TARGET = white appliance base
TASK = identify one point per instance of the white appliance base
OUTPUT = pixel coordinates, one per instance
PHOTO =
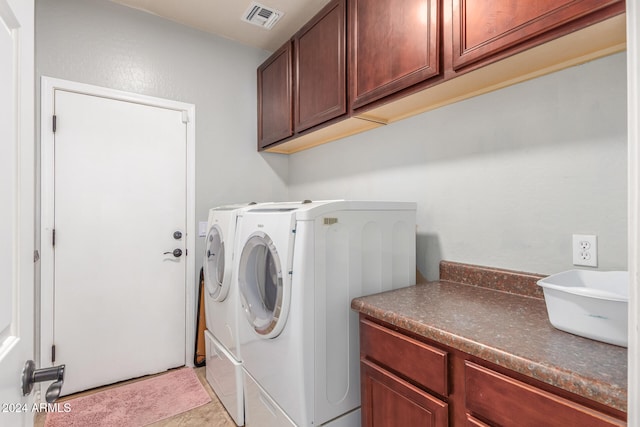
(260, 409)
(352, 419)
(224, 374)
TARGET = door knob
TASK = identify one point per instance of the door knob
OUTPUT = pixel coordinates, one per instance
(176, 253)
(177, 235)
(31, 375)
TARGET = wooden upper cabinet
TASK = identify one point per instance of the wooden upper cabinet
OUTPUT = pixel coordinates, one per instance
(394, 44)
(359, 64)
(486, 28)
(275, 97)
(321, 74)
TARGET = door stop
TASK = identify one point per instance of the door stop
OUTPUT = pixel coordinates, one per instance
(31, 375)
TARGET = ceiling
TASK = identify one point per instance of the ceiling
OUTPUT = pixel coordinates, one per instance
(224, 17)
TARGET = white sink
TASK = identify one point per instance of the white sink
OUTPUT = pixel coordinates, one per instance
(592, 304)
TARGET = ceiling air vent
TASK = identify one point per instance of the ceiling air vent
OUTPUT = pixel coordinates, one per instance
(262, 16)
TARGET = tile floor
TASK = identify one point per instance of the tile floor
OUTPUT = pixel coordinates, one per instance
(212, 414)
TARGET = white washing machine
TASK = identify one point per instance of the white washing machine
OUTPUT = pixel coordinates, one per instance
(223, 370)
(299, 265)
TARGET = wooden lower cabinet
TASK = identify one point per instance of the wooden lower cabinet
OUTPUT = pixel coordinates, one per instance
(408, 380)
(393, 402)
(504, 401)
(403, 354)
(474, 422)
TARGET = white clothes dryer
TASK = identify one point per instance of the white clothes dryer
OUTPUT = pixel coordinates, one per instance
(299, 265)
(223, 362)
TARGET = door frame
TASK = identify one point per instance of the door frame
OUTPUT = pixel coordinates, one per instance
(19, 342)
(44, 328)
(633, 135)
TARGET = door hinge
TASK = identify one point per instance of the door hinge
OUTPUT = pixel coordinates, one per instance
(53, 238)
(185, 117)
(53, 353)
(36, 256)
(55, 120)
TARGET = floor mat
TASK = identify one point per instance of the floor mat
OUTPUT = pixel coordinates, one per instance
(133, 405)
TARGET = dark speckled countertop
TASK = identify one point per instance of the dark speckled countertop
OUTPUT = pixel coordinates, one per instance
(508, 329)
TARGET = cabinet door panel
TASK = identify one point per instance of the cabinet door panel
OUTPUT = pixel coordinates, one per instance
(388, 401)
(509, 402)
(320, 51)
(394, 44)
(482, 28)
(275, 97)
(473, 422)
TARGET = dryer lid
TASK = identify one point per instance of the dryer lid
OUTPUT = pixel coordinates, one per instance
(214, 265)
(260, 281)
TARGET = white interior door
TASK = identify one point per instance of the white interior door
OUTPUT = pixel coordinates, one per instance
(16, 207)
(120, 195)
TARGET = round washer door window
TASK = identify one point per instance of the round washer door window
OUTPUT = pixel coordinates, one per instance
(214, 265)
(261, 287)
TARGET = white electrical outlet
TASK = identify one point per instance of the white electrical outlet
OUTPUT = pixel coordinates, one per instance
(585, 250)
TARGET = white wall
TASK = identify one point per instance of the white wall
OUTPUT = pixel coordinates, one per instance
(102, 43)
(501, 180)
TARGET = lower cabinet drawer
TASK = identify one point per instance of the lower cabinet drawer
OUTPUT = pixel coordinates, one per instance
(504, 401)
(474, 422)
(389, 401)
(405, 356)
